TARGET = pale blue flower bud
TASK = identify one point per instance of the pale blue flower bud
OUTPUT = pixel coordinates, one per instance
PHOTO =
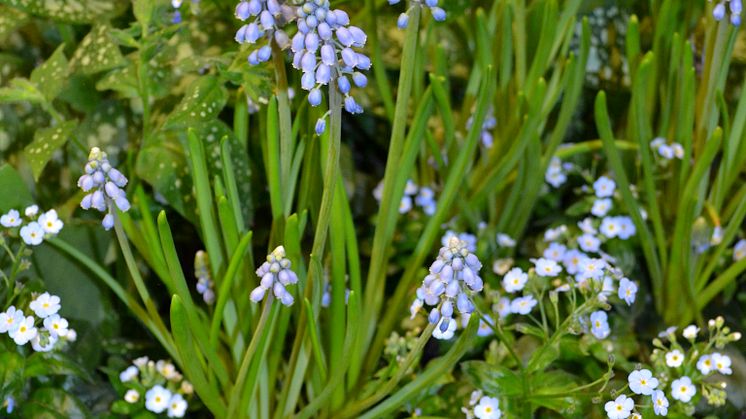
(453, 288)
(344, 84)
(719, 12)
(258, 294)
(264, 53)
(447, 308)
(434, 316)
(308, 81)
(359, 79)
(255, 7)
(438, 14)
(314, 98)
(393, 2)
(312, 22)
(282, 39)
(273, 6)
(463, 303)
(351, 106)
(243, 10)
(349, 57)
(122, 203)
(266, 20)
(345, 37)
(320, 126)
(342, 18)
(97, 201)
(328, 56)
(325, 32)
(358, 35)
(298, 42)
(85, 203)
(308, 62)
(323, 74)
(403, 21)
(363, 62)
(108, 222)
(431, 3)
(312, 41)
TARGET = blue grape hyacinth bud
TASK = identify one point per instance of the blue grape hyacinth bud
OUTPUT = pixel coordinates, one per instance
(453, 279)
(275, 275)
(439, 14)
(103, 185)
(734, 7)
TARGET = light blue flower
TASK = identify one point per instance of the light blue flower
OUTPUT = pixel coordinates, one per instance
(523, 305)
(438, 13)
(627, 290)
(604, 187)
(275, 275)
(600, 324)
(103, 185)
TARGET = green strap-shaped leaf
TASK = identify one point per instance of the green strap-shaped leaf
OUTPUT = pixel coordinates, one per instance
(46, 142)
(73, 11)
(50, 77)
(96, 52)
(13, 191)
(10, 20)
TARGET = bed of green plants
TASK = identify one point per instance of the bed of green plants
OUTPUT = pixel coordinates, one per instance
(372, 209)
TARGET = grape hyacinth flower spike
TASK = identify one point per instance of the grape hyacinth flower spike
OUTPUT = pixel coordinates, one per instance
(453, 278)
(438, 13)
(266, 19)
(735, 7)
(104, 184)
(275, 274)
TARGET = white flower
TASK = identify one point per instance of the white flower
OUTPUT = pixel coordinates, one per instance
(586, 226)
(626, 227)
(690, 332)
(128, 374)
(555, 177)
(485, 327)
(642, 382)
(739, 250)
(628, 291)
(448, 334)
(572, 259)
(665, 151)
(601, 207)
(554, 233)
(131, 396)
(682, 389)
(50, 223)
(10, 319)
(660, 403)
(523, 305)
(604, 187)
(405, 205)
(674, 358)
(36, 343)
(488, 408)
(591, 268)
(71, 335)
(589, 243)
(11, 219)
(45, 305)
(547, 267)
(600, 325)
(24, 331)
(678, 150)
(31, 211)
(555, 251)
(32, 234)
(503, 240)
(167, 370)
(636, 415)
(610, 227)
(515, 280)
(157, 399)
(717, 236)
(141, 361)
(502, 307)
(722, 363)
(177, 406)
(501, 266)
(667, 333)
(56, 325)
(620, 408)
(704, 364)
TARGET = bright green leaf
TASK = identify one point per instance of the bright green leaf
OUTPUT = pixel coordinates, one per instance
(50, 77)
(46, 142)
(96, 52)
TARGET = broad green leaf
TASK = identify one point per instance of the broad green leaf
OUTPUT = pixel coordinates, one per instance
(53, 403)
(143, 10)
(10, 20)
(50, 77)
(11, 372)
(202, 103)
(13, 191)
(46, 142)
(96, 52)
(493, 379)
(74, 11)
(20, 90)
(543, 356)
(52, 363)
(122, 80)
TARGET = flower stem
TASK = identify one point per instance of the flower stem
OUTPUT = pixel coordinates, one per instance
(286, 124)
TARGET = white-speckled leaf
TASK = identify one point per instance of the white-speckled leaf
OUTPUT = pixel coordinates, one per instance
(73, 11)
(96, 52)
(20, 90)
(122, 80)
(46, 142)
(202, 102)
(10, 20)
(50, 77)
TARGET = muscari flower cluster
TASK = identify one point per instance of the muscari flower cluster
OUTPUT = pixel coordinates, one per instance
(667, 151)
(482, 407)
(275, 274)
(453, 278)
(422, 196)
(268, 17)
(104, 184)
(205, 285)
(43, 330)
(734, 8)
(673, 370)
(326, 296)
(490, 122)
(167, 390)
(438, 13)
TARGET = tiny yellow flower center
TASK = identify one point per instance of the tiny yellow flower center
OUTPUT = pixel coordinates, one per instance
(22, 329)
(488, 409)
(683, 389)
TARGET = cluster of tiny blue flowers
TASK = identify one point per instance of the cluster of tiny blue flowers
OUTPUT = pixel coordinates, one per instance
(735, 7)
(556, 174)
(323, 49)
(453, 277)
(269, 16)
(165, 389)
(275, 274)
(422, 196)
(33, 227)
(490, 122)
(438, 13)
(104, 184)
(176, 4)
(667, 151)
(42, 331)
(205, 285)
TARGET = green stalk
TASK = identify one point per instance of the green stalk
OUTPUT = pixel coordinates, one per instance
(286, 123)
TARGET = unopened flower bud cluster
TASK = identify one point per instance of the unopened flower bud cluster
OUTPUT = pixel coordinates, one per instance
(103, 184)
(275, 275)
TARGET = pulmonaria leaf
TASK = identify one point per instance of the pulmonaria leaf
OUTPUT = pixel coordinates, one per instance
(122, 80)
(46, 142)
(53, 403)
(10, 20)
(21, 90)
(202, 102)
(72, 11)
(97, 52)
(50, 77)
